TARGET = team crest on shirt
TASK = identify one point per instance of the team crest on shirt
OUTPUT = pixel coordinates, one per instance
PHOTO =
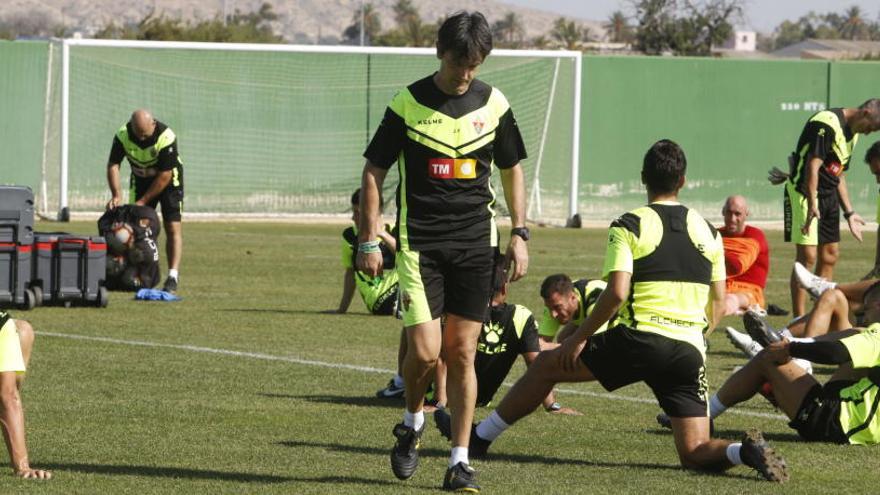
(478, 125)
(834, 168)
(492, 332)
(405, 300)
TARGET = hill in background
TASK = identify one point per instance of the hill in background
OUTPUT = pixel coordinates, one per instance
(299, 21)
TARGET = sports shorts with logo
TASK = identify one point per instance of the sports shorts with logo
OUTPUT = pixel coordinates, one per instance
(438, 281)
(825, 230)
(673, 369)
(171, 198)
(818, 418)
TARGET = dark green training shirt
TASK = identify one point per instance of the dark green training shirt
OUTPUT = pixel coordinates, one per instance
(444, 147)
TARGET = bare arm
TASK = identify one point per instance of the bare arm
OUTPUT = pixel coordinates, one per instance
(606, 307)
(854, 221)
(529, 358)
(12, 418)
(812, 192)
(515, 194)
(113, 183)
(348, 288)
(156, 187)
(371, 191)
(717, 291)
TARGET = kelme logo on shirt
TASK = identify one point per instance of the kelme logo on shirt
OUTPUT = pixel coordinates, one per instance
(452, 168)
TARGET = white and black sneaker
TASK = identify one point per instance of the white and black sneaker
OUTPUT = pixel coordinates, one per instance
(391, 391)
(811, 282)
(743, 342)
(760, 330)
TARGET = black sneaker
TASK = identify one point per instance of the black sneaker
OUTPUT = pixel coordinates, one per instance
(405, 454)
(391, 391)
(444, 423)
(477, 447)
(461, 478)
(759, 329)
(759, 455)
(170, 285)
(774, 310)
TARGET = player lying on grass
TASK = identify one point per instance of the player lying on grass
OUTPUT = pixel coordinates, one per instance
(509, 331)
(838, 307)
(662, 263)
(16, 344)
(843, 410)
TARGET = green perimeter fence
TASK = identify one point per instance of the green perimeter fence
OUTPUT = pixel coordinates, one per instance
(734, 118)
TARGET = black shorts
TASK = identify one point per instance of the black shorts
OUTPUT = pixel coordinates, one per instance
(171, 197)
(435, 282)
(674, 370)
(387, 303)
(818, 418)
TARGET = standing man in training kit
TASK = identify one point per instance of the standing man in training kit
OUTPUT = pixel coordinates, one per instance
(816, 189)
(445, 131)
(156, 177)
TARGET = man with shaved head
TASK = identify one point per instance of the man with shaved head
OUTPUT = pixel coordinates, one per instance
(156, 177)
(746, 257)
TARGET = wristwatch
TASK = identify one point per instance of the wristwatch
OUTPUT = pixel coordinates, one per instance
(523, 232)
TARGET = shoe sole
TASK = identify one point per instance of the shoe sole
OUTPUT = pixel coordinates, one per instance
(757, 329)
(774, 465)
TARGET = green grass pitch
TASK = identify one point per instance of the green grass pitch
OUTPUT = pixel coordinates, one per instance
(245, 388)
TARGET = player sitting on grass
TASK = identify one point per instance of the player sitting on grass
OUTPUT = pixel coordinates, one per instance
(510, 331)
(662, 263)
(843, 410)
(380, 292)
(16, 344)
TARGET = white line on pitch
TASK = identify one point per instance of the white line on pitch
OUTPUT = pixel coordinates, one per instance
(366, 369)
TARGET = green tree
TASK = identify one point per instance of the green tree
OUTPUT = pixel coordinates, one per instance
(569, 35)
(410, 30)
(508, 31)
(618, 28)
(252, 27)
(372, 25)
(684, 27)
(853, 25)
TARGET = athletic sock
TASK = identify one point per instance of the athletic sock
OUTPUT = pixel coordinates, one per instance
(491, 427)
(716, 408)
(398, 381)
(459, 454)
(414, 420)
(785, 332)
(172, 273)
(802, 340)
(733, 453)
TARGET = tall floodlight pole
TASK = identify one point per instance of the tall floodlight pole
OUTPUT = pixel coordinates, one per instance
(362, 22)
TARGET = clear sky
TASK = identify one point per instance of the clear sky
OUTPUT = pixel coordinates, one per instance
(760, 15)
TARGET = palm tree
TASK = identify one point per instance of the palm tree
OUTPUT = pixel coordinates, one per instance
(409, 23)
(853, 25)
(509, 30)
(618, 29)
(372, 25)
(568, 34)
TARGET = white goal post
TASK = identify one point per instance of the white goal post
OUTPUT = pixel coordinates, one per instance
(191, 78)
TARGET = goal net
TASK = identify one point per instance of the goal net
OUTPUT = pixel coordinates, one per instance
(279, 129)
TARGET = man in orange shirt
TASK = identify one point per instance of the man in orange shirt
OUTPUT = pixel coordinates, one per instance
(746, 258)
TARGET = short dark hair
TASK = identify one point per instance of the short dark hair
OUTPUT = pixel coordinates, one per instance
(356, 199)
(663, 167)
(499, 277)
(872, 106)
(873, 152)
(559, 283)
(467, 35)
